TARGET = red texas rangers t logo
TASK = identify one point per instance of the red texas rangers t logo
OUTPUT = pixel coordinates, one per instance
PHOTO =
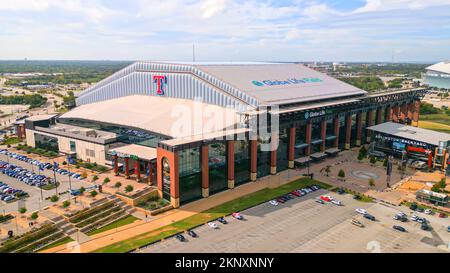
(160, 81)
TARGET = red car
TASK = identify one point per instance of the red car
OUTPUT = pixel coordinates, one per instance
(325, 198)
(442, 215)
(280, 200)
(295, 193)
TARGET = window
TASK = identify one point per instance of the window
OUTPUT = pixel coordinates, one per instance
(73, 147)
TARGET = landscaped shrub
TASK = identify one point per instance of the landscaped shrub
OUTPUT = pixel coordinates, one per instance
(106, 180)
(118, 185)
(94, 178)
(66, 204)
(373, 160)
(129, 188)
(22, 210)
(94, 193)
(341, 173)
(82, 190)
(54, 198)
(34, 216)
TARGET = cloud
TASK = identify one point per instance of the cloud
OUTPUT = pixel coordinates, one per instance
(212, 7)
(384, 5)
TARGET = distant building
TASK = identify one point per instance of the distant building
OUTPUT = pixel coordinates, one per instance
(438, 199)
(438, 75)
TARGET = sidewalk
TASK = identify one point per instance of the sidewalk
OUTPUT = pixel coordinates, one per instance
(126, 232)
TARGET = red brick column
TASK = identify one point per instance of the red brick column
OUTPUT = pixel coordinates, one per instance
(388, 114)
(403, 112)
(336, 131)
(116, 164)
(379, 116)
(358, 129)
(323, 134)
(230, 163)
(273, 153)
(137, 169)
(416, 113)
(308, 137)
(127, 167)
(172, 157)
(205, 170)
(253, 159)
(410, 112)
(291, 148)
(348, 131)
(395, 114)
(369, 120)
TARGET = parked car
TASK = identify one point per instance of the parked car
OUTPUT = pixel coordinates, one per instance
(413, 206)
(357, 223)
(213, 225)
(337, 203)
(424, 226)
(361, 211)
(222, 220)
(238, 216)
(192, 234)
(326, 198)
(273, 202)
(399, 228)
(428, 211)
(369, 216)
(340, 191)
(180, 238)
(442, 215)
(280, 200)
(357, 197)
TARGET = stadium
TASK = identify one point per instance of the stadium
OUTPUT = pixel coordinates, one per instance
(196, 129)
(438, 75)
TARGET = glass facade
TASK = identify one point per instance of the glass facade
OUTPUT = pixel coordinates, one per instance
(218, 169)
(282, 152)
(241, 162)
(263, 158)
(46, 142)
(300, 141)
(166, 178)
(330, 136)
(190, 176)
(342, 132)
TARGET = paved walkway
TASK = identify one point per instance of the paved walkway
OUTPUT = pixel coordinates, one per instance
(139, 227)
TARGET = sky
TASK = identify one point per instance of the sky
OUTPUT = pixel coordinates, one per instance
(226, 30)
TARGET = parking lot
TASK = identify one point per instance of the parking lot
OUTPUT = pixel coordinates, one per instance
(34, 202)
(303, 225)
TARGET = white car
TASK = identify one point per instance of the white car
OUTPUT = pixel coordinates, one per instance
(213, 225)
(428, 211)
(361, 211)
(337, 203)
(414, 217)
(273, 203)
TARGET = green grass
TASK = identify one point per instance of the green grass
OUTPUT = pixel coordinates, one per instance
(435, 126)
(408, 204)
(227, 208)
(63, 241)
(438, 118)
(49, 186)
(11, 141)
(122, 222)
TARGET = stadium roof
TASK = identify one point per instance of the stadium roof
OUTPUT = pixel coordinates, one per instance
(443, 67)
(165, 116)
(243, 85)
(410, 132)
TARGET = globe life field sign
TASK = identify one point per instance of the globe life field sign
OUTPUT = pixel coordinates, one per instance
(286, 82)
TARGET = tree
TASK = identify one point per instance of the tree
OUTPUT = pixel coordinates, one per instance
(341, 173)
(106, 180)
(371, 182)
(54, 198)
(94, 193)
(84, 175)
(436, 188)
(94, 178)
(22, 210)
(82, 190)
(118, 185)
(373, 160)
(34, 216)
(442, 184)
(363, 151)
(66, 204)
(360, 157)
(129, 188)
